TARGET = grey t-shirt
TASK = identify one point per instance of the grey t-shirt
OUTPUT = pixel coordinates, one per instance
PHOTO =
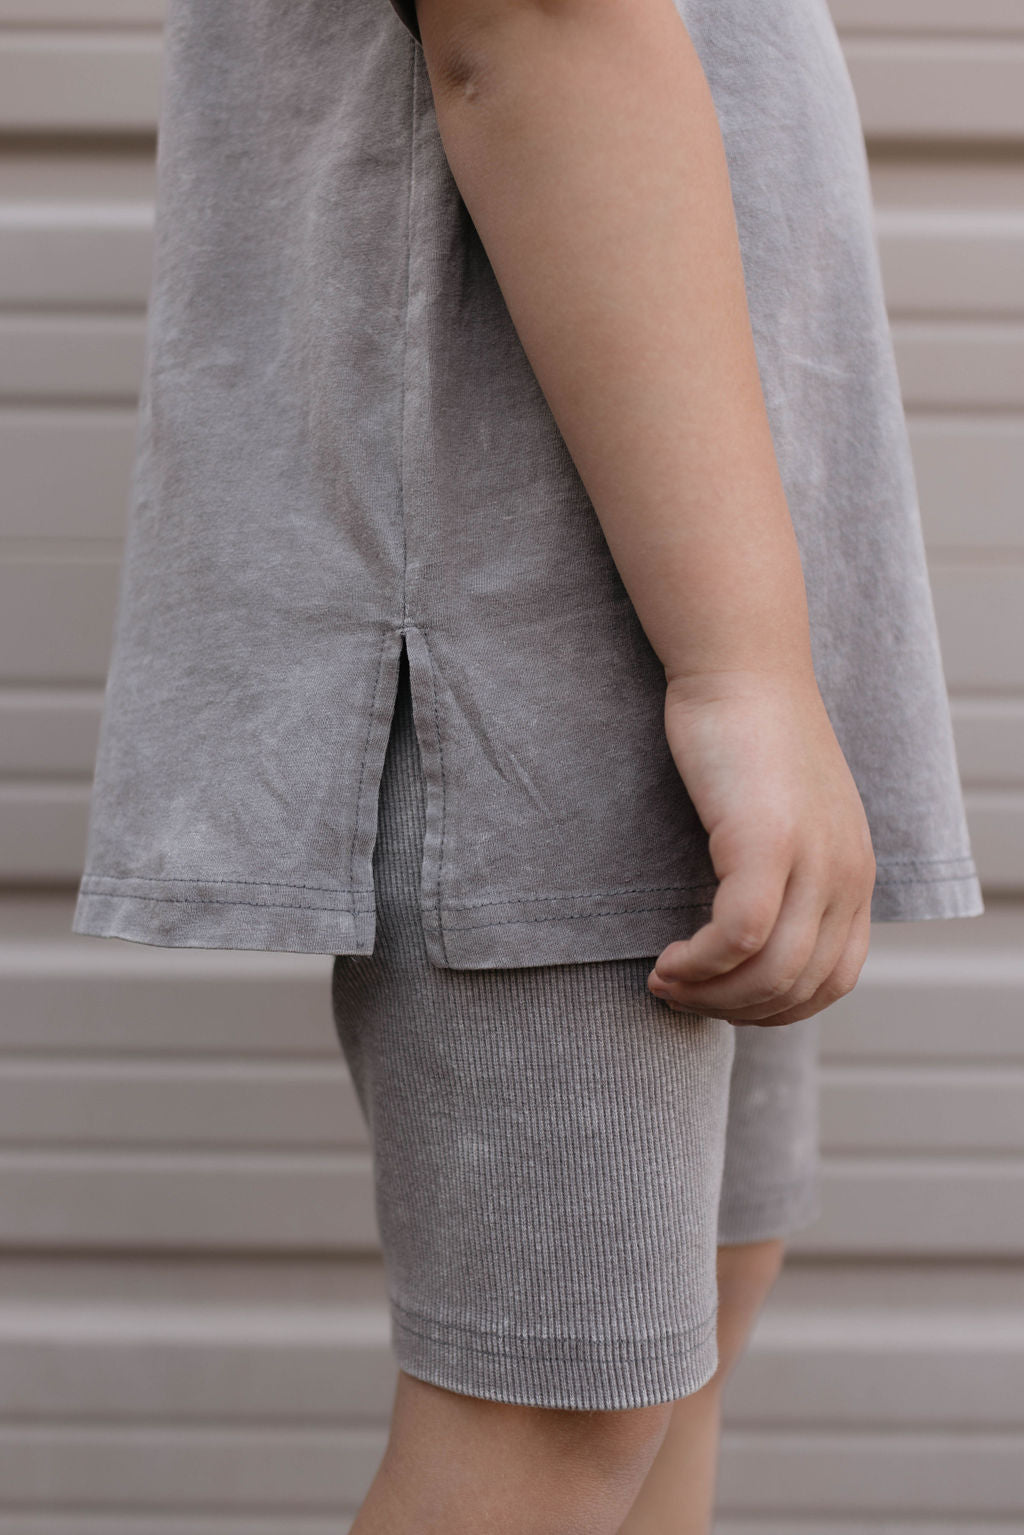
(342, 448)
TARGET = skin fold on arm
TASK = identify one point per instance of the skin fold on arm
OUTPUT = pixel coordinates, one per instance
(584, 141)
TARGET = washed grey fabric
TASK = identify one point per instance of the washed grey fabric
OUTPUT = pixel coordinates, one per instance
(556, 1153)
(342, 448)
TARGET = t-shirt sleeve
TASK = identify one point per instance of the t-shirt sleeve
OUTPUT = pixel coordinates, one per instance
(407, 10)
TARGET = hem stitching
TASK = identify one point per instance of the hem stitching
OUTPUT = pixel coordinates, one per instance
(537, 1343)
(202, 879)
(217, 900)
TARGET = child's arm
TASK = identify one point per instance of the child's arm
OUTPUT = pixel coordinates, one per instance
(584, 141)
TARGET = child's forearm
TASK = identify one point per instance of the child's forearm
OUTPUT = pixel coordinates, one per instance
(584, 141)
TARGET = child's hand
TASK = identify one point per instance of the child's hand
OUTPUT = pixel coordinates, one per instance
(790, 844)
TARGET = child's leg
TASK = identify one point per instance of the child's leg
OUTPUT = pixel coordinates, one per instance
(677, 1497)
(459, 1465)
(770, 1189)
(548, 1147)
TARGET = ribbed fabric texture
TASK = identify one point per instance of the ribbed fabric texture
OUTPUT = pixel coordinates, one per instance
(549, 1148)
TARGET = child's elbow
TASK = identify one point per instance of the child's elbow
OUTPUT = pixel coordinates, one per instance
(464, 39)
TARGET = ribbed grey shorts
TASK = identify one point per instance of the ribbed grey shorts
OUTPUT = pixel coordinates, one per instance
(556, 1153)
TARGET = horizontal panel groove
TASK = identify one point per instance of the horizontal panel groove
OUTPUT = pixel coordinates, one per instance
(994, 1165)
(911, 1162)
(69, 29)
(955, 36)
(955, 1330)
(85, 695)
(46, 1518)
(912, 16)
(910, 47)
(25, 36)
(248, 1470)
(976, 559)
(926, 1074)
(28, 549)
(816, 1524)
(983, 330)
(971, 365)
(878, 1476)
(78, 13)
(985, 697)
(837, 1059)
(104, 82)
(908, 969)
(23, 1058)
(917, 16)
(184, 1159)
(975, 225)
(931, 88)
(931, 1438)
(42, 217)
(994, 800)
(964, 423)
(317, 1157)
(920, 16)
(41, 789)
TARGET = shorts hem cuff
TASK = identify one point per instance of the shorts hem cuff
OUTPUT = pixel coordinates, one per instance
(586, 1374)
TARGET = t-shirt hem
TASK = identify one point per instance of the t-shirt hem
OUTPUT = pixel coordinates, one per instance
(905, 891)
(923, 889)
(226, 914)
(306, 918)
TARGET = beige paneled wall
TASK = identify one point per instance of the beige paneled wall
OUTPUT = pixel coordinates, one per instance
(192, 1320)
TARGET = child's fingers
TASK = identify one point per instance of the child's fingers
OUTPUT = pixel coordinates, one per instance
(802, 948)
(743, 915)
(792, 972)
(839, 982)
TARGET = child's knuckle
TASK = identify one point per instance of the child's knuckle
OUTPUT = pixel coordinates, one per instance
(748, 936)
(839, 983)
(750, 927)
(777, 983)
(785, 981)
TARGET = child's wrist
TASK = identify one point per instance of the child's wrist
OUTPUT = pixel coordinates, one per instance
(790, 669)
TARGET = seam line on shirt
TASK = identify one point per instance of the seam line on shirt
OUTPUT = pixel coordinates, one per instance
(570, 895)
(573, 895)
(371, 721)
(929, 879)
(220, 900)
(202, 879)
(88, 881)
(444, 796)
(577, 916)
(959, 858)
(634, 911)
(405, 334)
